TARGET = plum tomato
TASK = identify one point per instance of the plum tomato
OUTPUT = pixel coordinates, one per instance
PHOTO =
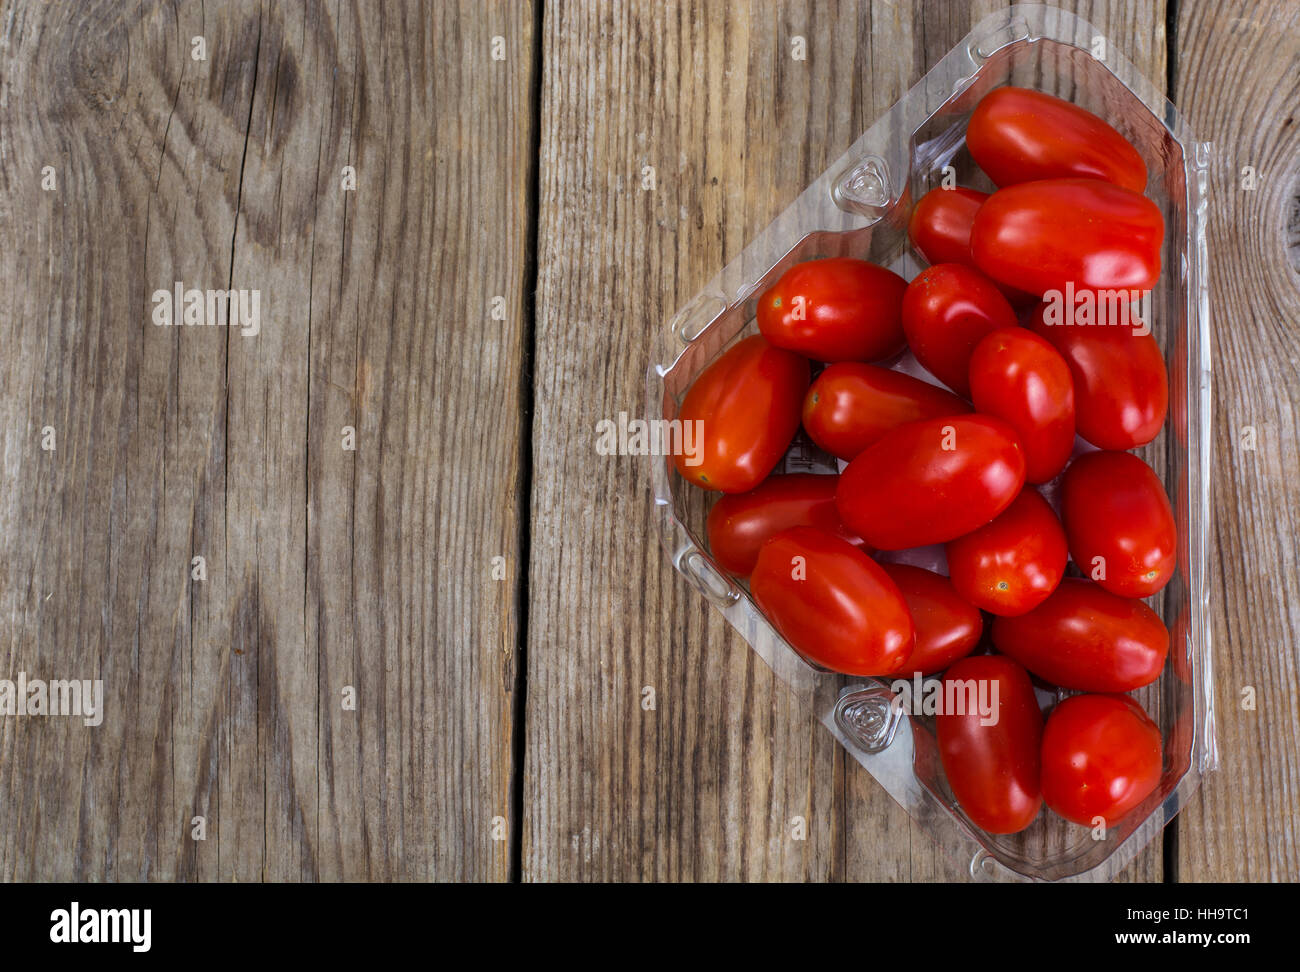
(1084, 233)
(836, 309)
(850, 405)
(1101, 758)
(940, 230)
(947, 309)
(947, 627)
(834, 604)
(1021, 378)
(931, 481)
(940, 224)
(1120, 523)
(993, 769)
(1018, 135)
(748, 402)
(1121, 388)
(1084, 637)
(740, 523)
(1012, 565)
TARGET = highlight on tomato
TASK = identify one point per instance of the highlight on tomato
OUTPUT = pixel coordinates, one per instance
(747, 405)
(940, 226)
(851, 405)
(835, 605)
(1120, 523)
(947, 627)
(1013, 564)
(947, 310)
(991, 753)
(1084, 637)
(1021, 378)
(1101, 758)
(931, 481)
(1019, 135)
(835, 309)
(1121, 388)
(1078, 233)
(740, 523)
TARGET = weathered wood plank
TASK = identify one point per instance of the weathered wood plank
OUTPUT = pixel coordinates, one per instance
(419, 528)
(1238, 83)
(325, 568)
(707, 784)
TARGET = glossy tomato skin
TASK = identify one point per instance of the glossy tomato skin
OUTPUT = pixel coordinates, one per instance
(947, 310)
(748, 401)
(931, 481)
(740, 523)
(1041, 236)
(1101, 758)
(947, 627)
(1121, 388)
(1018, 135)
(994, 769)
(850, 405)
(833, 603)
(1010, 566)
(941, 222)
(836, 309)
(1021, 378)
(1084, 637)
(940, 230)
(1115, 508)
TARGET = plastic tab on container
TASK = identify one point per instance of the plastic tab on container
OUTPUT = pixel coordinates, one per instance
(984, 46)
(692, 319)
(863, 188)
(706, 577)
(984, 866)
(868, 717)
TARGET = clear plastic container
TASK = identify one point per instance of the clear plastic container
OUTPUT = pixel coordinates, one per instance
(859, 207)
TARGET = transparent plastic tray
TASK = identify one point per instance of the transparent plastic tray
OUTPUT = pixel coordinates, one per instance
(859, 207)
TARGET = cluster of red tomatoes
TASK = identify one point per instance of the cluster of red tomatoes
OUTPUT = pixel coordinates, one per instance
(960, 467)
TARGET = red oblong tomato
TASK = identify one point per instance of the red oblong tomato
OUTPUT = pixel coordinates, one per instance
(836, 309)
(1115, 508)
(1019, 377)
(947, 627)
(1084, 637)
(993, 769)
(947, 309)
(931, 481)
(850, 405)
(833, 603)
(1091, 235)
(740, 523)
(1013, 564)
(1121, 388)
(1019, 135)
(940, 224)
(1101, 758)
(940, 229)
(748, 401)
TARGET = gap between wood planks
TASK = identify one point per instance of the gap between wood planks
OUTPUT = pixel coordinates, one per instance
(528, 343)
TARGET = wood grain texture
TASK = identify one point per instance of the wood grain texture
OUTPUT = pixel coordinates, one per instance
(325, 568)
(1238, 84)
(378, 568)
(707, 785)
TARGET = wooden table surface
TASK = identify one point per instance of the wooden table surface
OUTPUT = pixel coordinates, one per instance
(427, 610)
